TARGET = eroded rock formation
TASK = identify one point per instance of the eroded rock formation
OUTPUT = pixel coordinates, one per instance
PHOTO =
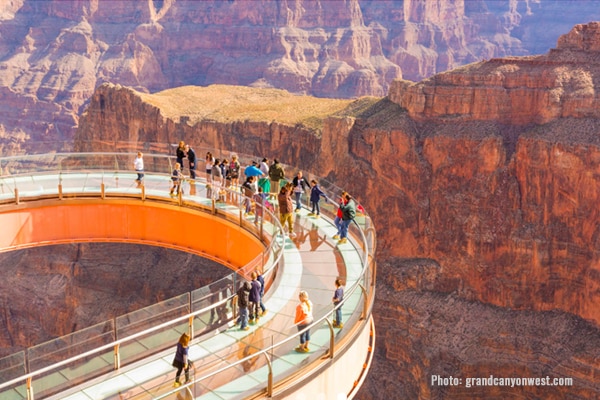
(54, 53)
(501, 204)
(52, 291)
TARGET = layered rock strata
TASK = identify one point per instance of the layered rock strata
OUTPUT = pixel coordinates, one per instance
(54, 53)
(502, 196)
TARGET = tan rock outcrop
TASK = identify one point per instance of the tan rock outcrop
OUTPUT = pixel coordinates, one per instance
(515, 91)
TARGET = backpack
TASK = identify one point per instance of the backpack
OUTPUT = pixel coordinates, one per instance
(234, 170)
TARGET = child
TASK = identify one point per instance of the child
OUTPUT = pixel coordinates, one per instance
(260, 200)
(176, 178)
(181, 361)
(338, 296)
(315, 195)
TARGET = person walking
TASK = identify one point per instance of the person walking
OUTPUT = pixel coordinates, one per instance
(300, 185)
(315, 195)
(138, 165)
(338, 296)
(303, 319)
(181, 361)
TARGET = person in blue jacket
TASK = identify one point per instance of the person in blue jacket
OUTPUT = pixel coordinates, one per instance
(315, 195)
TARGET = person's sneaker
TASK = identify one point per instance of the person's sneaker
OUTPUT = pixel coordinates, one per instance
(305, 350)
(297, 210)
(340, 325)
(317, 216)
(299, 349)
(335, 324)
(245, 329)
(251, 321)
(264, 312)
(336, 237)
(310, 214)
(176, 384)
(342, 241)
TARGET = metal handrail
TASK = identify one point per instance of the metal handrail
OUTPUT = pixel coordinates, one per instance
(365, 271)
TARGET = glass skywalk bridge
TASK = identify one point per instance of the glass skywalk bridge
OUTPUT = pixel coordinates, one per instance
(61, 198)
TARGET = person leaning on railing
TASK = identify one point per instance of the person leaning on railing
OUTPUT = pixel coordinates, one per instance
(348, 214)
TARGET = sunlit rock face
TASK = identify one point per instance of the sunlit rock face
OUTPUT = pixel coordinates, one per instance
(54, 53)
(486, 214)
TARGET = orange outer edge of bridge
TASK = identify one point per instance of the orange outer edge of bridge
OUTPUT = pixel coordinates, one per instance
(49, 222)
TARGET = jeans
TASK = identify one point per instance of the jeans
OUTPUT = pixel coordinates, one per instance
(337, 222)
(344, 227)
(304, 337)
(243, 317)
(316, 209)
(338, 315)
(298, 200)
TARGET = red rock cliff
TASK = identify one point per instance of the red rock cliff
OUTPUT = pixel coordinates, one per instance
(54, 53)
(479, 211)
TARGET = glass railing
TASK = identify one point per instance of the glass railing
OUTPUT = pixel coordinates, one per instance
(129, 338)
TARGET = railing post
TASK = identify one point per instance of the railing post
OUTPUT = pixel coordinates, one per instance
(60, 192)
(331, 338)
(269, 377)
(117, 357)
(366, 302)
(191, 327)
(102, 193)
(29, 389)
(143, 192)
(17, 196)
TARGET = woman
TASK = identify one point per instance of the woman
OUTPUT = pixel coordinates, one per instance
(181, 361)
(210, 160)
(180, 153)
(304, 317)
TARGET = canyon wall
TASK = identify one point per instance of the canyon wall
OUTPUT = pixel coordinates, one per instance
(52, 291)
(487, 218)
(54, 53)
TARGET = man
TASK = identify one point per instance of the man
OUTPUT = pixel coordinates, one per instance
(191, 156)
(348, 214)
(138, 164)
(276, 174)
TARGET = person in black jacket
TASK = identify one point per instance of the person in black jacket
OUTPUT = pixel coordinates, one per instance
(191, 156)
(180, 153)
(243, 300)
